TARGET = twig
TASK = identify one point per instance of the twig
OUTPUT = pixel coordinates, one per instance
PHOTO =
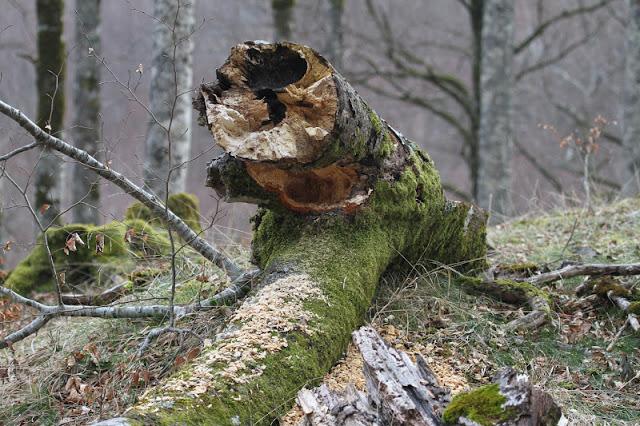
(157, 332)
(618, 334)
(591, 269)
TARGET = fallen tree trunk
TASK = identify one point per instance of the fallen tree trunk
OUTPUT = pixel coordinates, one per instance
(343, 197)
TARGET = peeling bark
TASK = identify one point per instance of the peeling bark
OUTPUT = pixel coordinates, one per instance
(343, 197)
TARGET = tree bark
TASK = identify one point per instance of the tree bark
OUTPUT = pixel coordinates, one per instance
(86, 104)
(50, 76)
(343, 198)
(282, 18)
(335, 37)
(496, 83)
(170, 100)
(631, 131)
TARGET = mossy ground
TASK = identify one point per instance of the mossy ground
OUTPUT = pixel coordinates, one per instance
(463, 337)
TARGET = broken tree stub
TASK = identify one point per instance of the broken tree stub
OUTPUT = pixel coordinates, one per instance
(343, 197)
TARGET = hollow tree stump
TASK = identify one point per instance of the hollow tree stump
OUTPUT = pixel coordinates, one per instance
(343, 197)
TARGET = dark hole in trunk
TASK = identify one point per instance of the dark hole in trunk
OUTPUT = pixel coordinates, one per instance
(274, 69)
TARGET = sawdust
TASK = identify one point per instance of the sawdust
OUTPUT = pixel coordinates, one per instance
(256, 329)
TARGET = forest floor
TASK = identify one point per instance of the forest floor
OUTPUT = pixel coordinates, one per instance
(77, 370)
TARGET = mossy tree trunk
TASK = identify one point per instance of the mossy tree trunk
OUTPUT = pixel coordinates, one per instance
(50, 76)
(86, 106)
(343, 197)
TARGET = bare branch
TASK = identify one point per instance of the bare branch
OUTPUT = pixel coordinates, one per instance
(18, 151)
(149, 200)
(564, 15)
(591, 269)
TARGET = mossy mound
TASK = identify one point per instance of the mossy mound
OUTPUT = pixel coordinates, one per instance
(482, 405)
(186, 206)
(123, 242)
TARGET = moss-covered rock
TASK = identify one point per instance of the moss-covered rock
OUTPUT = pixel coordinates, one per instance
(186, 206)
(123, 242)
(482, 405)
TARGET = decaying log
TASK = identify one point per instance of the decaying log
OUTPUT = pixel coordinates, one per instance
(400, 392)
(343, 197)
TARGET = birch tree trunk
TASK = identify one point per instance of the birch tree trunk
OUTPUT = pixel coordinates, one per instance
(86, 107)
(282, 18)
(170, 99)
(343, 197)
(496, 83)
(335, 40)
(50, 76)
(631, 133)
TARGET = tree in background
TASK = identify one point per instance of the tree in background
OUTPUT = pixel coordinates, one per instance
(170, 100)
(335, 39)
(631, 133)
(86, 106)
(50, 76)
(496, 85)
(457, 97)
(282, 18)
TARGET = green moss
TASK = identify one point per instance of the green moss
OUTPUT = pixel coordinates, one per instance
(407, 219)
(608, 285)
(34, 272)
(482, 405)
(634, 308)
(505, 290)
(186, 206)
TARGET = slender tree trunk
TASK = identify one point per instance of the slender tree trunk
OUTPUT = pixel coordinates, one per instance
(50, 76)
(631, 134)
(496, 84)
(3, 200)
(335, 40)
(86, 106)
(476, 14)
(170, 99)
(343, 197)
(282, 18)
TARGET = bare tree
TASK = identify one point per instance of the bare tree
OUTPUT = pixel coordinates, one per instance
(335, 39)
(50, 76)
(631, 135)
(86, 107)
(455, 97)
(496, 85)
(282, 18)
(170, 102)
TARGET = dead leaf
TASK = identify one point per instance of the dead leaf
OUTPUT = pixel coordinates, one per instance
(129, 235)
(99, 244)
(7, 246)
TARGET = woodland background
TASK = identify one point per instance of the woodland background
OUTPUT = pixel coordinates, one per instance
(581, 76)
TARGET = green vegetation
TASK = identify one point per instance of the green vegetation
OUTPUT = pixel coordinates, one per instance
(482, 405)
(186, 206)
(123, 242)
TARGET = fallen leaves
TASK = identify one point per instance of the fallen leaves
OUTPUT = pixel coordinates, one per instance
(70, 244)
